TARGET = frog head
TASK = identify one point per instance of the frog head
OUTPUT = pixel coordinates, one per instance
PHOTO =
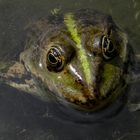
(81, 57)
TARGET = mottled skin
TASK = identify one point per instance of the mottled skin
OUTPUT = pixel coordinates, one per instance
(92, 62)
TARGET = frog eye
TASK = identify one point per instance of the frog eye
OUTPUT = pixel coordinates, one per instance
(108, 49)
(55, 59)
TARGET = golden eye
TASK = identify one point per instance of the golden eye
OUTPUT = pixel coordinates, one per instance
(108, 49)
(55, 59)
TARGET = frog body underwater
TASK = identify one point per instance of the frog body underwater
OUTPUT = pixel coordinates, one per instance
(83, 58)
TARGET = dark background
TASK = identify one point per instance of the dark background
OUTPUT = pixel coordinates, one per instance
(23, 117)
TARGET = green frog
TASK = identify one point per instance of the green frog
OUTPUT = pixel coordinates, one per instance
(82, 57)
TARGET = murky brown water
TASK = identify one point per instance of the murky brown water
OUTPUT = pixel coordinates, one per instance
(23, 117)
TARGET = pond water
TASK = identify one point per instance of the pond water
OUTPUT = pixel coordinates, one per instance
(23, 117)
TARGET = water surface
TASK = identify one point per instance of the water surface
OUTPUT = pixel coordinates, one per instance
(23, 117)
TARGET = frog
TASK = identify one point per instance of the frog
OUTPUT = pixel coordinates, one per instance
(82, 57)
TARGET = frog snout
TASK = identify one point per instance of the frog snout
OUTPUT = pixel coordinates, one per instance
(88, 88)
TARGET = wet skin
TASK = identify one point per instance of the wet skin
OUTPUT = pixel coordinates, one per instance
(83, 58)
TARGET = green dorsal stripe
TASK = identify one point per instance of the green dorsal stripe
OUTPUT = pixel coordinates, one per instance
(72, 28)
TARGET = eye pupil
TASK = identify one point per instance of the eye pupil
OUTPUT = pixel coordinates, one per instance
(111, 48)
(105, 43)
(52, 58)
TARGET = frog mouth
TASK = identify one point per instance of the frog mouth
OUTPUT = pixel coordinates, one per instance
(90, 97)
(86, 102)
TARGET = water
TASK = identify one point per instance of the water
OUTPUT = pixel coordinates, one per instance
(27, 118)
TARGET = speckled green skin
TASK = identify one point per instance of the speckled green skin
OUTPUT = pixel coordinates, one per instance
(106, 78)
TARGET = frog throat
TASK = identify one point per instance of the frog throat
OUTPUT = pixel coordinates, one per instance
(72, 28)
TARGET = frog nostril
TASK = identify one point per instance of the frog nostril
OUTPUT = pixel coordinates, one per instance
(96, 92)
(79, 81)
